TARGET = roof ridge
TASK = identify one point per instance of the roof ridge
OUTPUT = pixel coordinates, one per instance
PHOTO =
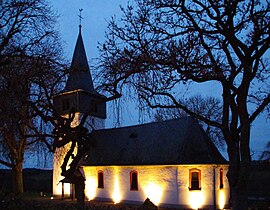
(148, 123)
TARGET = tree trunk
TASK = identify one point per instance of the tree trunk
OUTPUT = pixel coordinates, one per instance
(80, 186)
(17, 178)
(238, 176)
(239, 197)
(239, 201)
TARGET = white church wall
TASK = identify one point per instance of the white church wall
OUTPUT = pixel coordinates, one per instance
(195, 198)
(94, 123)
(204, 197)
(154, 182)
(163, 185)
(223, 194)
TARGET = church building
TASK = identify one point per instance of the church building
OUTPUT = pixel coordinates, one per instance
(173, 163)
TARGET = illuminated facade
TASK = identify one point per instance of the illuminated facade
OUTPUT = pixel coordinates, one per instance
(163, 185)
(171, 162)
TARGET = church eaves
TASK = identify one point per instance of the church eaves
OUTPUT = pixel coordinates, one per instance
(79, 74)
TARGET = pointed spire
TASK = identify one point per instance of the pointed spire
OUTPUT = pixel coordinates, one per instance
(79, 74)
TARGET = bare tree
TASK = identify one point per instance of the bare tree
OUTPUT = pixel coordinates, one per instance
(159, 45)
(206, 106)
(265, 156)
(29, 74)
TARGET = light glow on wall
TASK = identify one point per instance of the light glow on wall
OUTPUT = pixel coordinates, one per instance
(151, 185)
(154, 192)
(196, 199)
(58, 160)
(116, 195)
(221, 199)
(67, 188)
(58, 189)
(90, 187)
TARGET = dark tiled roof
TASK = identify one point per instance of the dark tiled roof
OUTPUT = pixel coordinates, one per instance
(79, 75)
(180, 141)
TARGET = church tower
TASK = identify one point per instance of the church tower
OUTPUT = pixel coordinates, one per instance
(80, 97)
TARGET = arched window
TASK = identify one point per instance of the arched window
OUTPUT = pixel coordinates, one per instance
(133, 180)
(221, 184)
(194, 179)
(100, 179)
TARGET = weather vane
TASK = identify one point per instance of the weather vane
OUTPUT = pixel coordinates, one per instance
(80, 17)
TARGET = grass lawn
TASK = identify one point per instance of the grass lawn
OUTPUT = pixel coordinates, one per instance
(33, 201)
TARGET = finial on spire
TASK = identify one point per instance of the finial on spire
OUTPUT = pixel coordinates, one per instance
(80, 18)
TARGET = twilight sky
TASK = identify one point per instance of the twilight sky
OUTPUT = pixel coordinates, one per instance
(95, 13)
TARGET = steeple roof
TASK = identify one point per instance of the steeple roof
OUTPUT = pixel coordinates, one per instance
(79, 73)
